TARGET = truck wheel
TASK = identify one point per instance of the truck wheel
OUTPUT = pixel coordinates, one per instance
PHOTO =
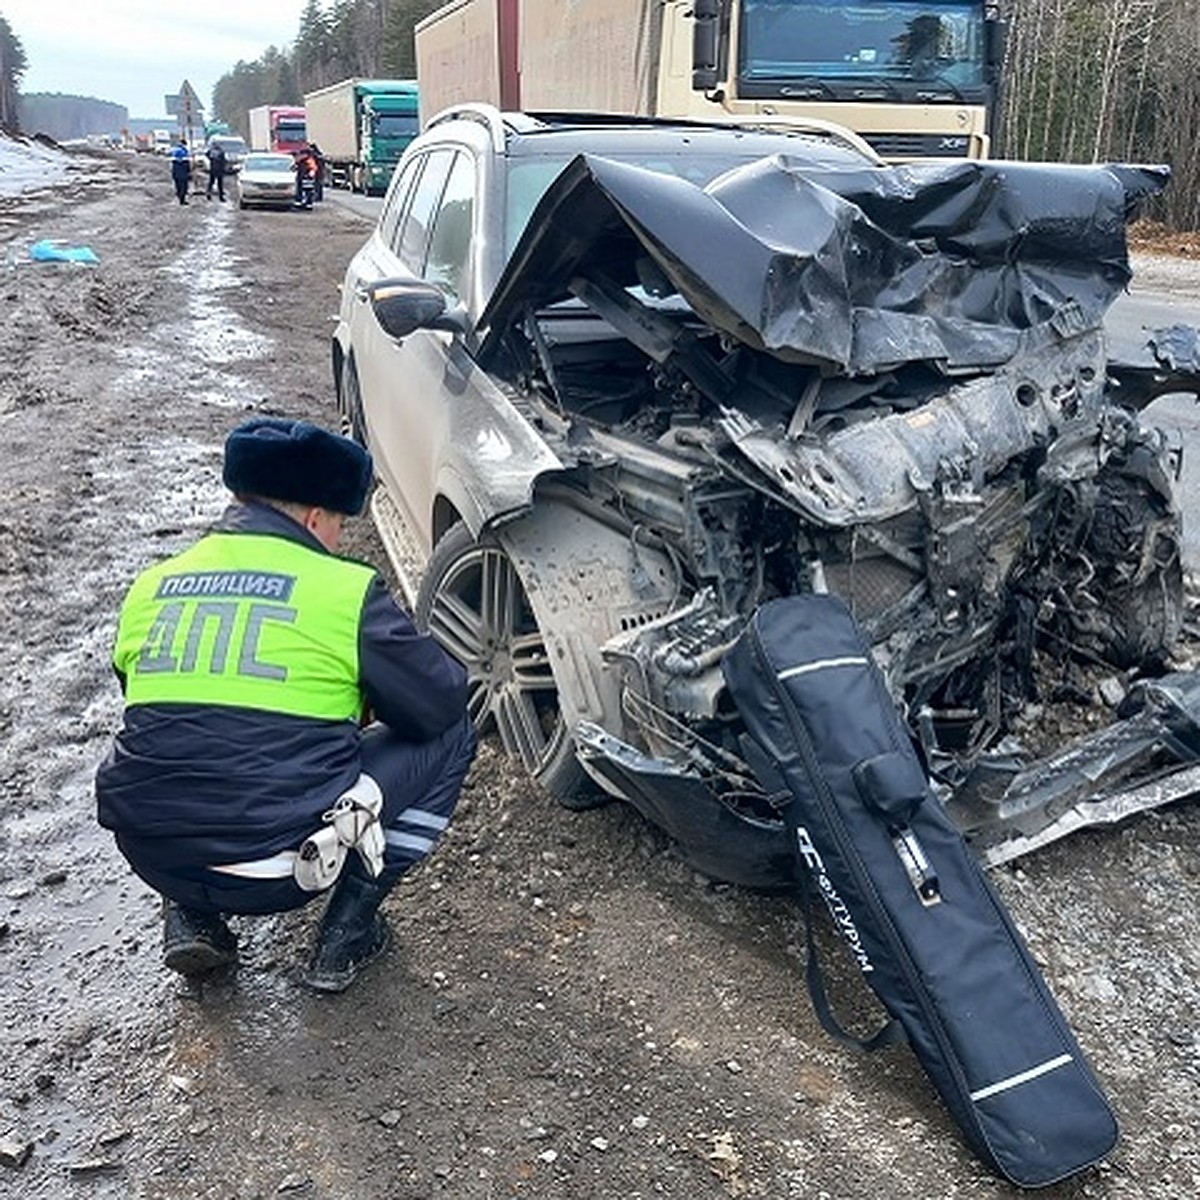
(473, 602)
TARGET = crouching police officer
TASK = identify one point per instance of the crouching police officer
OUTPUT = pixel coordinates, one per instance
(245, 777)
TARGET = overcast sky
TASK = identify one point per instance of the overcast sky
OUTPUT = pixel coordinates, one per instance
(134, 52)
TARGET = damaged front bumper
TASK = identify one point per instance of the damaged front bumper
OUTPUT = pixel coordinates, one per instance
(727, 820)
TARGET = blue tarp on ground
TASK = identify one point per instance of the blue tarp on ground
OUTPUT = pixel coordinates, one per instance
(50, 251)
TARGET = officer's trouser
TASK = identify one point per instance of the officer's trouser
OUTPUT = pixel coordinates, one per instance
(420, 782)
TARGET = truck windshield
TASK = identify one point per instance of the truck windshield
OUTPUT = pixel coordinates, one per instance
(397, 125)
(793, 48)
(291, 130)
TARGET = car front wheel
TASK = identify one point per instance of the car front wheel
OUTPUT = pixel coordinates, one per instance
(474, 603)
(350, 403)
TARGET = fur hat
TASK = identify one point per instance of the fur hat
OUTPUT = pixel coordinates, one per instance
(299, 462)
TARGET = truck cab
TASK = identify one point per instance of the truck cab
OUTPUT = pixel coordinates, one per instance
(388, 122)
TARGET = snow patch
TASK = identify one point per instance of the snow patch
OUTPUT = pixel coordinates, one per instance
(27, 166)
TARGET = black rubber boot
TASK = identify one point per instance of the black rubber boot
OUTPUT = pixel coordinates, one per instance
(196, 943)
(353, 933)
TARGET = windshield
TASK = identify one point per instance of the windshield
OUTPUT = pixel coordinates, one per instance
(231, 145)
(397, 125)
(291, 130)
(832, 42)
(269, 162)
(528, 179)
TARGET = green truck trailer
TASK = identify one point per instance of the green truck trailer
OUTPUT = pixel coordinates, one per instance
(361, 127)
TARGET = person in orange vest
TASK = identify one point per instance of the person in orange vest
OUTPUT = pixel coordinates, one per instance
(307, 169)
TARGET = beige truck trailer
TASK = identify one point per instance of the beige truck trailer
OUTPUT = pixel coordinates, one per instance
(914, 79)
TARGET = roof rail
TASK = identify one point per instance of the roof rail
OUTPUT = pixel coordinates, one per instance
(770, 122)
(499, 123)
(487, 115)
(777, 122)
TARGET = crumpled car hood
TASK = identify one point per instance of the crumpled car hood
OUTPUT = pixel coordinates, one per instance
(861, 269)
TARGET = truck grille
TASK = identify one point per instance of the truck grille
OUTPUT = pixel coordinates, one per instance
(919, 145)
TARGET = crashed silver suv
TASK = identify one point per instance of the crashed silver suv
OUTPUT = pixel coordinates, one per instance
(625, 382)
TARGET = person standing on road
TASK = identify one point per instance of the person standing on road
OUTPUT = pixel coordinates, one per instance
(181, 170)
(248, 774)
(216, 171)
(319, 167)
(307, 174)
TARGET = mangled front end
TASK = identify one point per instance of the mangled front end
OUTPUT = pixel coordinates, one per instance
(890, 384)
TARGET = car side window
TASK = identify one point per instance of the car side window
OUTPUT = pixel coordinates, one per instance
(393, 207)
(450, 237)
(414, 229)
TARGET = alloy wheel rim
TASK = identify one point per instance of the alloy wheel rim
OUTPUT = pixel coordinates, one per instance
(481, 615)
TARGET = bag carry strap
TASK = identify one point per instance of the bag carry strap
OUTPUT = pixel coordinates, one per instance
(892, 1033)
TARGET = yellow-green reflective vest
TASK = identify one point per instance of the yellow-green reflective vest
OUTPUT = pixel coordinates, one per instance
(248, 620)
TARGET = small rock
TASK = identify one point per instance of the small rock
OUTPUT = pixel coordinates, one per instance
(548, 1156)
(294, 1182)
(640, 1122)
(112, 1136)
(87, 1167)
(53, 878)
(733, 1067)
(390, 1119)
(599, 1143)
(1112, 690)
(14, 1152)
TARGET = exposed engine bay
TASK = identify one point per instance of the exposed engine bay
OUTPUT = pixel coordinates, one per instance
(963, 466)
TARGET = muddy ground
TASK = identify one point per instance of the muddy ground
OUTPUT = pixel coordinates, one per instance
(568, 1011)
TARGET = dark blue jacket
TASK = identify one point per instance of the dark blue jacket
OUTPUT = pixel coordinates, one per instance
(181, 163)
(222, 784)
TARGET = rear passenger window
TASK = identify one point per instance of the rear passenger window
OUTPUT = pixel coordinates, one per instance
(414, 229)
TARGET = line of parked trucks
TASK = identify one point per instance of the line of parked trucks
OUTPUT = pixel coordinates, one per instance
(911, 79)
(361, 127)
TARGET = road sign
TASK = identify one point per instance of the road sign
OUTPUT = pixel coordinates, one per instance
(190, 107)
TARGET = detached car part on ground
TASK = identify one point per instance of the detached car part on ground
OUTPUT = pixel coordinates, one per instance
(810, 373)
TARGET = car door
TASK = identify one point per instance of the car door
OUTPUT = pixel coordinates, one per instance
(405, 384)
(374, 260)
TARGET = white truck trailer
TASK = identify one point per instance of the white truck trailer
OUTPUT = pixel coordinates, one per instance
(914, 79)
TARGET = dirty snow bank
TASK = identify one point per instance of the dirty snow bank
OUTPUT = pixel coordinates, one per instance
(26, 166)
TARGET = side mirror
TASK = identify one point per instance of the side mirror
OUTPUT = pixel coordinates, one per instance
(706, 45)
(402, 306)
(995, 44)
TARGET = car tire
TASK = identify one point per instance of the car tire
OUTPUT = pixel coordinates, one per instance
(354, 425)
(473, 602)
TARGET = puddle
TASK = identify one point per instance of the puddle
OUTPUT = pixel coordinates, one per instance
(210, 338)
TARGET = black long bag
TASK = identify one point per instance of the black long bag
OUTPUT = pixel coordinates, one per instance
(933, 940)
